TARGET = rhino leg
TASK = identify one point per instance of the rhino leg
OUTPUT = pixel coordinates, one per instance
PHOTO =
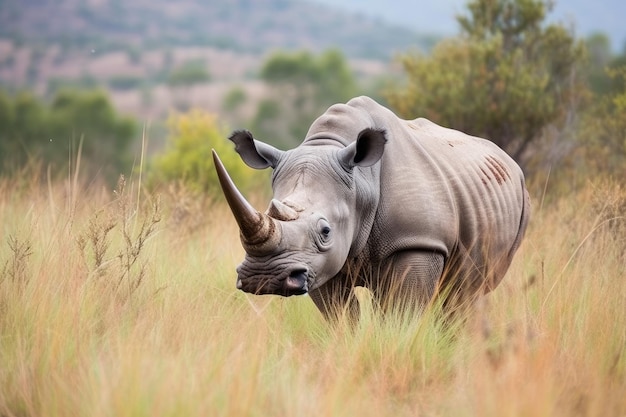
(335, 299)
(408, 280)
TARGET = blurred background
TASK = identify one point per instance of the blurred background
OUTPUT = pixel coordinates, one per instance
(154, 85)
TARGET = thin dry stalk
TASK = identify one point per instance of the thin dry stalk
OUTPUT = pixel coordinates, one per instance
(15, 269)
(121, 268)
(129, 255)
(98, 239)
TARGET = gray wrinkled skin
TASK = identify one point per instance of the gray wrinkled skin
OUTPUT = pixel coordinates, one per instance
(404, 208)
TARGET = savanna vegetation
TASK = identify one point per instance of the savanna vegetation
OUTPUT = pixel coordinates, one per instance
(187, 160)
(505, 77)
(117, 293)
(529, 86)
(119, 303)
(76, 126)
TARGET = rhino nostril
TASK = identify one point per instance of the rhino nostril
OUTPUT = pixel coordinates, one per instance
(296, 283)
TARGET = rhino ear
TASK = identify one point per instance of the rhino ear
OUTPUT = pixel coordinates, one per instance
(366, 150)
(254, 153)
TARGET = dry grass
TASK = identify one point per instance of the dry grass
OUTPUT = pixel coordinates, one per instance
(83, 332)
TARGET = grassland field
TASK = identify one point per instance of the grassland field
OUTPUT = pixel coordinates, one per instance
(119, 303)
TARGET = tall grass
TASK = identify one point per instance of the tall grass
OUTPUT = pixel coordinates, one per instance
(117, 304)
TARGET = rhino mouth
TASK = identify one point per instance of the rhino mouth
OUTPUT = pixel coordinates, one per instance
(295, 281)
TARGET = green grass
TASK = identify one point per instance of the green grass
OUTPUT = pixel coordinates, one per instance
(153, 324)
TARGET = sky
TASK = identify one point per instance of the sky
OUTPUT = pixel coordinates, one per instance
(438, 16)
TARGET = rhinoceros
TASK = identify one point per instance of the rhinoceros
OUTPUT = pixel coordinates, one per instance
(405, 208)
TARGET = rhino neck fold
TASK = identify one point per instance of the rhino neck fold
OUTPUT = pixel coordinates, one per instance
(367, 188)
(327, 138)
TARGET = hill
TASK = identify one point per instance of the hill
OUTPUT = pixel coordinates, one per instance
(132, 48)
(241, 25)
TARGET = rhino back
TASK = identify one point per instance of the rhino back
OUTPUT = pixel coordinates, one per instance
(436, 188)
(444, 190)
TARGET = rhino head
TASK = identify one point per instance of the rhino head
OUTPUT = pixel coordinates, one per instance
(305, 235)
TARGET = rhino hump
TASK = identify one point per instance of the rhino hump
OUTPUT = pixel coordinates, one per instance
(438, 188)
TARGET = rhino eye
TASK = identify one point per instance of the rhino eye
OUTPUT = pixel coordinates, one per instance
(324, 235)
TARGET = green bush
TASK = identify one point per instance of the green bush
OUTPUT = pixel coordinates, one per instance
(53, 133)
(188, 74)
(303, 86)
(234, 99)
(188, 158)
(507, 77)
(604, 131)
(106, 136)
(124, 82)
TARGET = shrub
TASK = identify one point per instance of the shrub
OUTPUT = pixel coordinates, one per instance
(604, 130)
(124, 82)
(506, 78)
(74, 121)
(234, 99)
(302, 86)
(188, 74)
(188, 158)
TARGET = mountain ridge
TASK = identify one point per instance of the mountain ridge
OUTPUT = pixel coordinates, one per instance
(242, 25)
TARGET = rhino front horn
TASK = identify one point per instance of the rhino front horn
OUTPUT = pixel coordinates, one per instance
(260, 234)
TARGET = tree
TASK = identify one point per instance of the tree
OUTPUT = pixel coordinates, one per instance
(190, 73)
(106, 135)
(188, 158)
(599, 53)
(52, 133)
(234, 99)
(603, 65)
(184, 78)
(604, 128)
(303, 86)
(23, 120)
(506, 77)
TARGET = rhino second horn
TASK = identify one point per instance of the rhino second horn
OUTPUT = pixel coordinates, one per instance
(260, 233)
(281, 211)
